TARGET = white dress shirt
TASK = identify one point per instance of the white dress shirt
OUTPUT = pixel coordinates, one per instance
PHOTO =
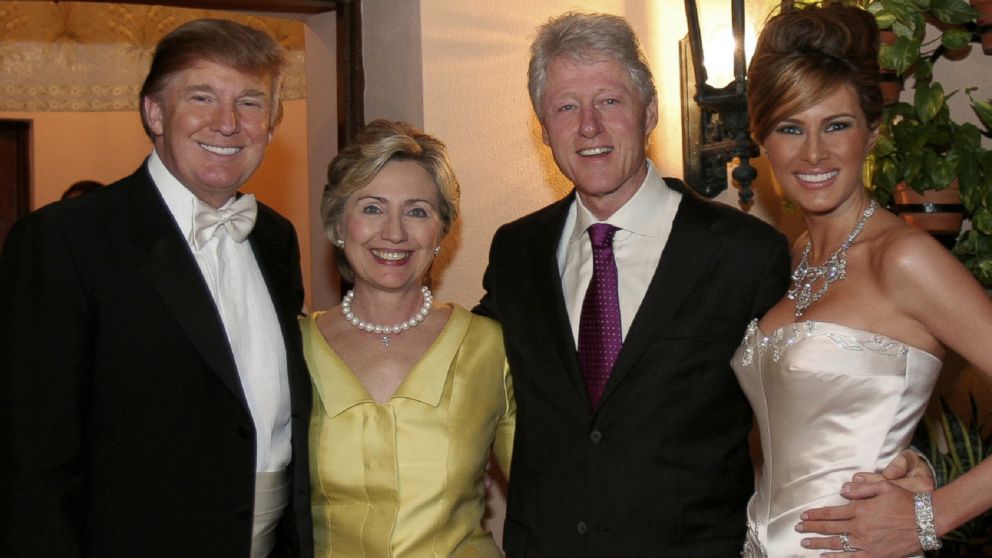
(645, 222)
(235, 282)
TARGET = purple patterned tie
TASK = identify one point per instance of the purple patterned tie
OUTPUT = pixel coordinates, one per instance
(600, 334)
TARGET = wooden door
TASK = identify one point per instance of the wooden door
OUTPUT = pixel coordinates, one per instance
(15, 173)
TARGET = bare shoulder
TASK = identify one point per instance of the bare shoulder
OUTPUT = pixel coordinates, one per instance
(912, 267)
(901, 252)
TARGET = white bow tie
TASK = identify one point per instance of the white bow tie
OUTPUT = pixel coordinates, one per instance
(237, 219)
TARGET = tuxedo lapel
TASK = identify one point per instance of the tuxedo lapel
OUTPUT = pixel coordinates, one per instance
(279, 279)
(285, 289)
(691, 247)
(167, 264)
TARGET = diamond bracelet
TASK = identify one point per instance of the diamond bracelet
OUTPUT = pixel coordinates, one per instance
(923, 506)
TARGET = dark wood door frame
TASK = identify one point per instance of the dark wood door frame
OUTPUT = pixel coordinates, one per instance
(15, 173)
(350, 71)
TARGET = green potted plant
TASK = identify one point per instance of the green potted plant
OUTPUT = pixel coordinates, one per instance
(984, 8)
(921, 149)
(954, 446)
(974, 247)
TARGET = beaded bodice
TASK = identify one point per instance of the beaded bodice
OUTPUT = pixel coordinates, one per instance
(829, 400)
(787, 336)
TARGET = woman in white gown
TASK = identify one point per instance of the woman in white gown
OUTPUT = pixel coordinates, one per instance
(841, 369)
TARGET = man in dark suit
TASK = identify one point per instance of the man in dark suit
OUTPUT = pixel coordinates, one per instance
(657, 463)
(650, 458)
(153, 395)
(622, 305)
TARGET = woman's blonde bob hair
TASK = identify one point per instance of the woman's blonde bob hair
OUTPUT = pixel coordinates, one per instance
(355, 166)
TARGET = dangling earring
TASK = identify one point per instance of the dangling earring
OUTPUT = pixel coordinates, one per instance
(437, 250)
(339, 243)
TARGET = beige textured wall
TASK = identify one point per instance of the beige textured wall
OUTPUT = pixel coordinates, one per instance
(394, 73)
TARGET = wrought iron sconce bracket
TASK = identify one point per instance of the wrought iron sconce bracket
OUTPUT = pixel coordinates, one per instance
(715, 120)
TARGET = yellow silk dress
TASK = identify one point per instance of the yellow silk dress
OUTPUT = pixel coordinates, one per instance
(405, 478)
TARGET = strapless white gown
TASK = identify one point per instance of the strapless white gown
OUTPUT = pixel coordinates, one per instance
(830, 401)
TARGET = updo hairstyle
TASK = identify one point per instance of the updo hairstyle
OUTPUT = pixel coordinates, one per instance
(803, 55)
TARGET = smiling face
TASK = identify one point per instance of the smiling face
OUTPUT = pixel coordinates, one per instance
(818, 154)
(391, 227)
(596, 124)
(210, 126)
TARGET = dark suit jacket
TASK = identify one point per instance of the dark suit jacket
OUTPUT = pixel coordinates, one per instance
(662, 468)
(123, 427)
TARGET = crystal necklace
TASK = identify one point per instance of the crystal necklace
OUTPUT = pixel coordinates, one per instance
(834, 269)
(384, 331)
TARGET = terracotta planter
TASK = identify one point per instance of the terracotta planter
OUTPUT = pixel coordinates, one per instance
(891, 88)
(891, 82)
(935, 211)
(887, 37)
(984, 8)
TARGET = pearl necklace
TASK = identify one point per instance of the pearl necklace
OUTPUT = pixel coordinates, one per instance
(384, 331)
(834, 269)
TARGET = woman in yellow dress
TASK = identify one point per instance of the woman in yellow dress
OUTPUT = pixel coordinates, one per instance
(411, 395)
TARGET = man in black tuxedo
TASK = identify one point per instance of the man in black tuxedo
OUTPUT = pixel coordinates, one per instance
(153, 395)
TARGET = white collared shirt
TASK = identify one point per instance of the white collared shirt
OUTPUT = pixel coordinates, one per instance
(645, 223)
(235, 282)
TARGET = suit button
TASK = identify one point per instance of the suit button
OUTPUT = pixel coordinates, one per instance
(244, 432)
(582, 528)
(595, 436)
(242, 513)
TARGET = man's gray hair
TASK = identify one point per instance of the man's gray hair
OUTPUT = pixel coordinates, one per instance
(587, 37)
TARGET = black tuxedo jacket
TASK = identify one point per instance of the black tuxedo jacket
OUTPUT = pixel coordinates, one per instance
(662, 467)
(124, 430)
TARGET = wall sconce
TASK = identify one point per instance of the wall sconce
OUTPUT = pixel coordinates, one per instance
(715, 120)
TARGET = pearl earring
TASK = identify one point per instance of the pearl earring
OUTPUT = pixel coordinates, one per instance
(339, 243)
(437, 250)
